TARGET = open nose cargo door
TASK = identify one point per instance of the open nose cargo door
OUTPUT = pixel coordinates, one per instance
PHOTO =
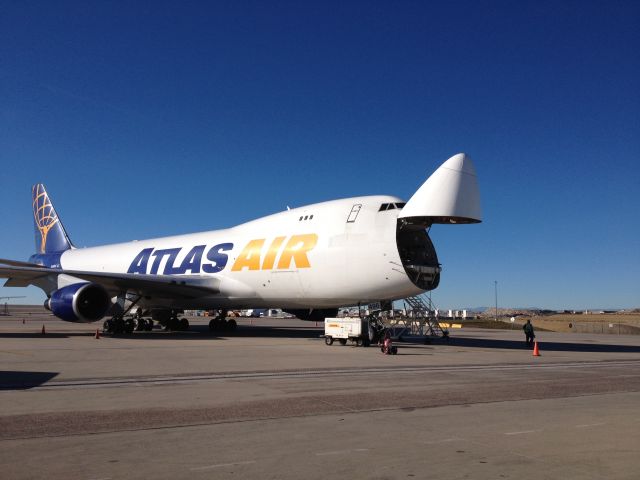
(449, 196)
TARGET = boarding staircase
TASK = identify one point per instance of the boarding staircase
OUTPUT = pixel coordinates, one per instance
(420, 320)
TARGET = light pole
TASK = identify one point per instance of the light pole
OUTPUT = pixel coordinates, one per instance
(495, 285)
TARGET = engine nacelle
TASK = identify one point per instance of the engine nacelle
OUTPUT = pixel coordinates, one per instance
(80, 302)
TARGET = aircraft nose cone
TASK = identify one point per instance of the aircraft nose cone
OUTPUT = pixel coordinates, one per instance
(450, 195)
(460, 162)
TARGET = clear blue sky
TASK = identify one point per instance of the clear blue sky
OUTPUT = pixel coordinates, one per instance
(160, 118)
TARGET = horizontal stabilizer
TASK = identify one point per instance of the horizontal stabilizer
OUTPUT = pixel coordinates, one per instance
(450, 195)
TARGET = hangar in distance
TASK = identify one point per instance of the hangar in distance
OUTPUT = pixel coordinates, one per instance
(308, 261)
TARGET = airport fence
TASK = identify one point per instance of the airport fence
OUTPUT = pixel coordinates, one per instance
(611, 328)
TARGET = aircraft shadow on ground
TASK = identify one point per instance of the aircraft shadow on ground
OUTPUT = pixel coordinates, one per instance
(267, 331)
(544, 346)
(195, 332)
(10, 380)
(47, 335)
(202, 332)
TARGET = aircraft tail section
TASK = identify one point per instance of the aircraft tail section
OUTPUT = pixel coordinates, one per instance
(50, 234)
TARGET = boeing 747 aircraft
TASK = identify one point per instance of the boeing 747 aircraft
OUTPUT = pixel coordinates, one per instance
(308, 261)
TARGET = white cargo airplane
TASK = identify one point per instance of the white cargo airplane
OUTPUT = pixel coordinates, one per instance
(307, 261)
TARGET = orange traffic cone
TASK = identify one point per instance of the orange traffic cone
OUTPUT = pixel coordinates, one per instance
(43, 330)
(98, 333)
(536, 352)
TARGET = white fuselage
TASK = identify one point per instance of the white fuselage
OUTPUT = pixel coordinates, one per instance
(323, 255)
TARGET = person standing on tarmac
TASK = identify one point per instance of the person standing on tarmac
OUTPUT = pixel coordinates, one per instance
(528, 331)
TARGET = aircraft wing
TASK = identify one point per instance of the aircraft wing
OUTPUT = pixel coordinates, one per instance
(18, 263)
(22, 274)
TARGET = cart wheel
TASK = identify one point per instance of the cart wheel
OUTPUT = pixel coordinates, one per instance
(328, 340)
(358, 342)
(343, 341)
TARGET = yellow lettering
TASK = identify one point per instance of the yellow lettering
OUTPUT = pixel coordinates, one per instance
(296, 250)
(250, 256)
(270, 257)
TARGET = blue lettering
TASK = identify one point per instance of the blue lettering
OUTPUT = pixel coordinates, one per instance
(218, 258)
(139, 264)
(191, 262)
(172, 253)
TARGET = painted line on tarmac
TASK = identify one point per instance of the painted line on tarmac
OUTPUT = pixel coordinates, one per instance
(221, 465)
(523, 432)
(588, 425)
(341, 452)
(444, 440)
(335, 452)
(190, 378)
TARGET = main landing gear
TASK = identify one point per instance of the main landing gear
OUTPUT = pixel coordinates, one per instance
(119, 324)
(177, 324)
(220, 323)
(170, 321)
(122, 323)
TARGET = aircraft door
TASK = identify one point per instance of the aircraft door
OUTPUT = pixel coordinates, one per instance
(354, 213)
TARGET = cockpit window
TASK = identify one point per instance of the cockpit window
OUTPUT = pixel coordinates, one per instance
(390, 206)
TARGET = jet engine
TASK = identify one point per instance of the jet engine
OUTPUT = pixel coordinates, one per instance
(79, 302)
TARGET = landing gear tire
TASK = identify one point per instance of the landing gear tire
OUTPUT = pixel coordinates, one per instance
(129, 326)
(119, 326)
(184, 324)
(139, 324)
(173, 324)
(232, 325)
(217, 325)
(328, 340)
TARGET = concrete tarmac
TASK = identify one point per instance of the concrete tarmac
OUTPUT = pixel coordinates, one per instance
(273, 401)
